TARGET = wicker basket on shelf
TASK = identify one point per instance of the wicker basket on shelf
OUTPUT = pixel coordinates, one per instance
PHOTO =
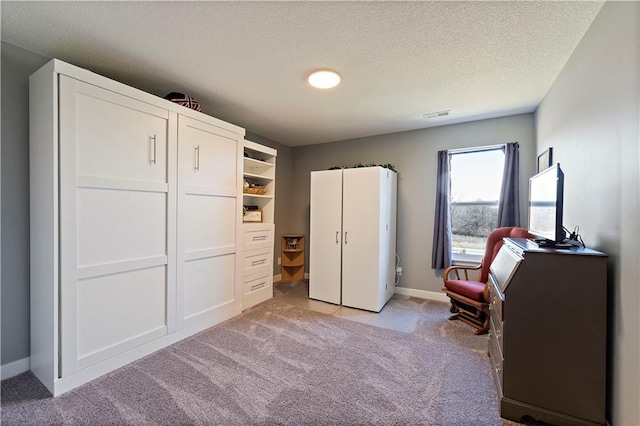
(257, 190)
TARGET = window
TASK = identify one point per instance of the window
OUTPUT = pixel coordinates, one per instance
(476, 178)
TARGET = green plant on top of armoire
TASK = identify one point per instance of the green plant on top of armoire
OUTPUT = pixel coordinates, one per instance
(355, 166)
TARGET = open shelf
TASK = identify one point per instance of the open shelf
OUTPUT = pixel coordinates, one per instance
(259, 171)
(292, 257)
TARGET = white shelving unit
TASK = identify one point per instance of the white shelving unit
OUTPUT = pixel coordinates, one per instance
(259, 171)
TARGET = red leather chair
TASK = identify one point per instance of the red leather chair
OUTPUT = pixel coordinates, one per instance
(469, 298)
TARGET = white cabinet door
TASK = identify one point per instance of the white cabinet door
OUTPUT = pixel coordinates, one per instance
(207, 219)
(325, 240)
(117, 203)
(361, 221)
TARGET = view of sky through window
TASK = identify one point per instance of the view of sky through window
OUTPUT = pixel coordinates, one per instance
(476, 176)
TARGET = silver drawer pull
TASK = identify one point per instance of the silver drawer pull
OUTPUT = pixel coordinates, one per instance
(258, 262)
(257, 286)
(260, 238)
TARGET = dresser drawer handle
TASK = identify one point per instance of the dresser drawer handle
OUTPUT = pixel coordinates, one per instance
(260, 238)
(258, 262)
(257, 286)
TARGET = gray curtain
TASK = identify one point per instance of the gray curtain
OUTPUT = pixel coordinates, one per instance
(441, 254)
(509, 207)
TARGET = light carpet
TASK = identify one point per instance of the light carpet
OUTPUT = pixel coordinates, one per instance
(280, 364)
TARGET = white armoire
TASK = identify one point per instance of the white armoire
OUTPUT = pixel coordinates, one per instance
(136, 224)
(352, 242)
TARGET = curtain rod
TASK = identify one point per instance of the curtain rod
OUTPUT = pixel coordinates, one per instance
(476, 149)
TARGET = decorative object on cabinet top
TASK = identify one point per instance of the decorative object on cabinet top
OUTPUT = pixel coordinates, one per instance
(184, 100)
(358, 165)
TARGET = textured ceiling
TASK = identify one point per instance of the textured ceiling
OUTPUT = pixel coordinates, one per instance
(246, 62)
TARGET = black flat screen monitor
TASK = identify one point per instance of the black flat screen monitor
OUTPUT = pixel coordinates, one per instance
(545, 204)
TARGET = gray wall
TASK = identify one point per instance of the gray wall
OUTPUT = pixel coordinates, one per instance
(414, 156)
(591, 119)
(17, 65)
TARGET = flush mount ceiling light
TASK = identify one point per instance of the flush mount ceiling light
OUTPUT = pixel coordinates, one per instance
(324, 79)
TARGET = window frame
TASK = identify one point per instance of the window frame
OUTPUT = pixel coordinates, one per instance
(471, 258)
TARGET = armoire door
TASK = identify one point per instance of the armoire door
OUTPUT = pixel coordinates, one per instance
(325, 241)
(207, 219)
(117, 203)
(361, 221)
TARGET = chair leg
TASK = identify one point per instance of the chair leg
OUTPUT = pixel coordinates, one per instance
(453, 308)
(485, 326)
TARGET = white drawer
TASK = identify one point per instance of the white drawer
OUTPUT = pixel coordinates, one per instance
(258, 261)
(256, 282)
(256, 289)
(258, 236)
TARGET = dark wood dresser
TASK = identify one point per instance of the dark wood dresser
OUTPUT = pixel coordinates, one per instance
(548, 340)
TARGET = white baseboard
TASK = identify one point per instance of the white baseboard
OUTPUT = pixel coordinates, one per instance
(422, 294)
(14, 368)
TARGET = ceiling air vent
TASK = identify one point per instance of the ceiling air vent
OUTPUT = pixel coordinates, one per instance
(437, 114)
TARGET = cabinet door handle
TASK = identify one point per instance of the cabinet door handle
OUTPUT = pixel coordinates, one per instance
(337, 234)
(258, 262)
(154, 151)
(345, 237)
(260, 238)
(197, 153)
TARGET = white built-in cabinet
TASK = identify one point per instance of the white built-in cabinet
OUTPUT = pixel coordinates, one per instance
(136, 224)
(207, 206)
(353, 237)
(117, 203)
(259, 169)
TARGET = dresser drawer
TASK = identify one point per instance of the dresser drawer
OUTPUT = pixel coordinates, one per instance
(495, 332)
(257, 261)
(495, 300)
(496, 364)
(257, 236)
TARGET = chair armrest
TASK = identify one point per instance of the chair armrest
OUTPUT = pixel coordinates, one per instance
(457, 269)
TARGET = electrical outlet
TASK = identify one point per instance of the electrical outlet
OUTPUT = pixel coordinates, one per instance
(279, 260)
(399, 271)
